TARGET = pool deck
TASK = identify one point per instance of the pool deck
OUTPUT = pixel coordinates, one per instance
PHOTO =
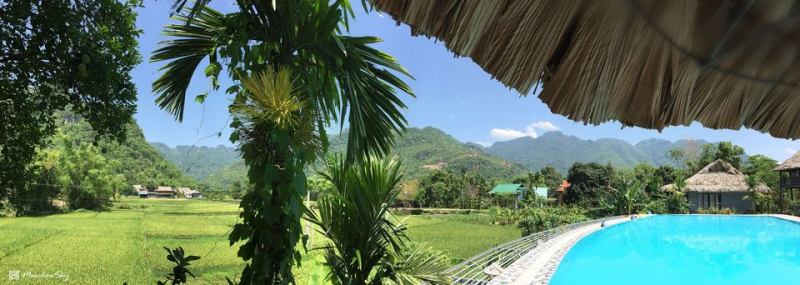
(785, 217)
(538, 265)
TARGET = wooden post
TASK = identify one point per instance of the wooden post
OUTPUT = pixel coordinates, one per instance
(780, 182)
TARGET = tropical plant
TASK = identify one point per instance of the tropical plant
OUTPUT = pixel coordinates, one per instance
(297, 74)
(367, 243)
(533, 219)
(680, 184)
(623, 200)
(503, 215)
(753, 195)
(179, 272)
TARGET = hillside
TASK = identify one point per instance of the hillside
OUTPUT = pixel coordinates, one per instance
(561, 151)
(198, 162)
(222, 179)
(421, 151)
(427, 149)
(134, 158)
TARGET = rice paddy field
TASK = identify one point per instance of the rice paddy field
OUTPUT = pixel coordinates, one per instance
(126, 243)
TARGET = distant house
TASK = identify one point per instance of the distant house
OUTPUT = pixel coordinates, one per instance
(189, 193)
(509, 189)
(789, 177)
(141, 191)
(718, 185)
(163, 191)
(561, 190)
(540, 191)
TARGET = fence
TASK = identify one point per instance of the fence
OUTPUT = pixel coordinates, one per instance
(471, 271)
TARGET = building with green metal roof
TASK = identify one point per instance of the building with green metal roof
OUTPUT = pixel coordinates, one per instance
(504, 189)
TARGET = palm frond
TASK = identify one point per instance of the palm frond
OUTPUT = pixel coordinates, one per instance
(417, 264)
(195, 41)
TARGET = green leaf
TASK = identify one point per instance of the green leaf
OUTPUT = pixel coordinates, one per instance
(201, 98)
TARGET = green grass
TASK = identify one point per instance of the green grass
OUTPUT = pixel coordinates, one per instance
(458, 239)
(126, 243)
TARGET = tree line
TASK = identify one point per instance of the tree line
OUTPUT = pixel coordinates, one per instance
(590, 182)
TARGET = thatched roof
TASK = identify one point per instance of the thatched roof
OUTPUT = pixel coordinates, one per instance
(651, 63)
(791, 163)
(718, 176)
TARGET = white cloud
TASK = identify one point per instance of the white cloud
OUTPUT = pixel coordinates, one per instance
(790, 150)
(530, 131)
(544, 125)
(484, 144)
(509, 134)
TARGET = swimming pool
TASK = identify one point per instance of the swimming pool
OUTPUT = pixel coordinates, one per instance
(695, 249)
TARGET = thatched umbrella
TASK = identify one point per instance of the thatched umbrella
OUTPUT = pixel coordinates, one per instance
(718, 177)
(653, 63)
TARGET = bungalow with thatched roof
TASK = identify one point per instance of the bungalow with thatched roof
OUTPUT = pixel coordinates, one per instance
(789, 173)
(718, 185)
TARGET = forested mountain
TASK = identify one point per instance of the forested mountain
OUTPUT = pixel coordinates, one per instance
(420, 150)
(199, 161)
(134, 158)
(560, 151)
(222, 179)
(427, 149)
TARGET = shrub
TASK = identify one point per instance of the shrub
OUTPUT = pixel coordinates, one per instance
(715, 211)
(534, 220)
(657, 206)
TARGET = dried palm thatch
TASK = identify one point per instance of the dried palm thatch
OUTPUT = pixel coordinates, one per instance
(718, 176)
(650, 63)
(789, 164)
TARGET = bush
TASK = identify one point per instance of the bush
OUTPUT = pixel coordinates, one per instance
(657, 207)
(715, 211)
(672, 203)
(503, 216)
(676, 204)
(541, 219)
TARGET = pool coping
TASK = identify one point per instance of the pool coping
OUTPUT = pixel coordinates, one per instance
(538, 266)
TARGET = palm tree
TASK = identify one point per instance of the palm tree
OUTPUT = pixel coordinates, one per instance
(367, 244)
(752, 192)
(680, 184)
(296, 75)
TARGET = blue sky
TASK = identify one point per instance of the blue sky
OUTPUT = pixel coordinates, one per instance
(453, 94)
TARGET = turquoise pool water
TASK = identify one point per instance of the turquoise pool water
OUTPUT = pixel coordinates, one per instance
(728, 250)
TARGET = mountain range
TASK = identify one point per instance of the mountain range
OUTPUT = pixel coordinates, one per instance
(198, 162)
(422, 150)
(426, 149)
(561, 151)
